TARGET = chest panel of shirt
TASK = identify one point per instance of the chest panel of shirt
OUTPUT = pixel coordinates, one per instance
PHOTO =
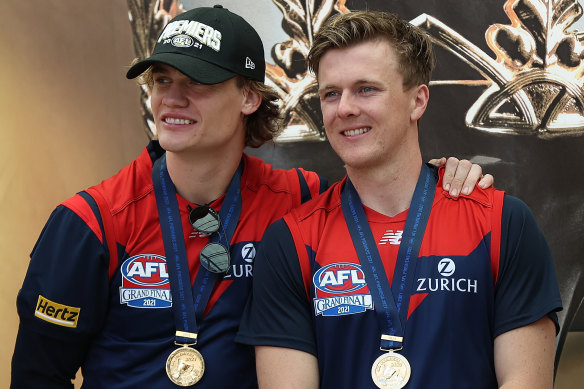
(145, 252)
(451, 317)
(454, 265)
(460, 284)
(149, 330)
(457, 324)
(456, 233)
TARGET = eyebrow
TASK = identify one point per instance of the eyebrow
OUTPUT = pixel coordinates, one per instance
(356, 83)
(325, 88)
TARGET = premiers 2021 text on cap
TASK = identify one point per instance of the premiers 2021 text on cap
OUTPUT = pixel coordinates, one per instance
(210, 45)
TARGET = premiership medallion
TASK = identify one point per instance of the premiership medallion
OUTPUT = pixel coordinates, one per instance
(391, 371)
(185, 366)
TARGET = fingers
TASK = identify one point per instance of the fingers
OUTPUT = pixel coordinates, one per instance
(461, 176)
(487, 181)
(455, 175)
(474, 175)
(438, 162)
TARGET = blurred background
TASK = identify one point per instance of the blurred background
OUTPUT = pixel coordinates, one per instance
(71, 119)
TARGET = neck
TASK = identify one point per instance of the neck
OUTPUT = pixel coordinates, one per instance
(388, 189)
(201, 180)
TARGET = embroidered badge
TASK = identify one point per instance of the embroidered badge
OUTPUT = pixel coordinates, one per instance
(340, 289)
(145, 282)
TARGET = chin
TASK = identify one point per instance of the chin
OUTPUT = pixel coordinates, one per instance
(356, 158)
(172, 141)
(171, 145)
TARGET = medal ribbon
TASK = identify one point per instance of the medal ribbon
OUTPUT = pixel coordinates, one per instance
(391, 303)
(187, 307)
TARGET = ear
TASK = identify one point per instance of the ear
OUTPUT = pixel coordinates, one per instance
(251, 101)
(420, 96)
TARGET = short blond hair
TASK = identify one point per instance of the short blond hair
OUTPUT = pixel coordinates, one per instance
(412, 45)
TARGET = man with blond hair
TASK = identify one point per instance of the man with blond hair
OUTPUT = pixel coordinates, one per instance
(384, 281)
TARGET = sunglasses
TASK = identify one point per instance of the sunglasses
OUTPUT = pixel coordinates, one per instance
(214, 256)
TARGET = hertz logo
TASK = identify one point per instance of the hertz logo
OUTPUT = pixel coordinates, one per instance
(56, 313)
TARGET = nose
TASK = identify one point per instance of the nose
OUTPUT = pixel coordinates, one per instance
(347, 106)
(175, 95)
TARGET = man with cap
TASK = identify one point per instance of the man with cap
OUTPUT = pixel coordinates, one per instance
(141, 280)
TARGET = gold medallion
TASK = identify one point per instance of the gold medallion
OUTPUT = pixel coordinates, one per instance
(391, 371)
(185, 366)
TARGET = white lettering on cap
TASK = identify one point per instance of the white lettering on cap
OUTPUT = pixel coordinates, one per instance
(207, 35)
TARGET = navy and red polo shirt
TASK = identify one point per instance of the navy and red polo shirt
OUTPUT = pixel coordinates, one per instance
(112, 314)
(484, 268)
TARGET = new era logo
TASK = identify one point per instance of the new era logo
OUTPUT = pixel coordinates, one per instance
(249, 63)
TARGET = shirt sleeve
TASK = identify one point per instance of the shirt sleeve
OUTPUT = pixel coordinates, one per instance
(278, 313)
(62, 302)
(527, 287)
(40, 361)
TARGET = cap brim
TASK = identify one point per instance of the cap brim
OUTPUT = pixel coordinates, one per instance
(197, 69)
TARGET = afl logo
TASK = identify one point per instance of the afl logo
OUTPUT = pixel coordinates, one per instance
(339, 278)
(182, 41)
(145, 270)
(446, 267)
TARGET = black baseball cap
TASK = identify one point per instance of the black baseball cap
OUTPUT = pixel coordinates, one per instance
(210, 45)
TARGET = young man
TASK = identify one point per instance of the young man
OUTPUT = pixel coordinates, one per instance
(383, 281)
(142, 279)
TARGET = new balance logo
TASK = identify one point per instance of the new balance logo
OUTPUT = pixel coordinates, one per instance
(391, 237)
(249, 63)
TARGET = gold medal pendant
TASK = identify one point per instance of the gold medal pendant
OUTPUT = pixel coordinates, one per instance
(391, 371)
(185, 366)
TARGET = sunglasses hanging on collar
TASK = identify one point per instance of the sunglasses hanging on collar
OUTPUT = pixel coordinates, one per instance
(214, 256)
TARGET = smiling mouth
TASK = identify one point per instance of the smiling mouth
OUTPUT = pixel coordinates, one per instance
(357, 131)
(177, 121)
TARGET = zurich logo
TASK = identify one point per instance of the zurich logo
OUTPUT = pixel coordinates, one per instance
(339, 278)
(248, 252)
(446, 267)
(145, 270)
